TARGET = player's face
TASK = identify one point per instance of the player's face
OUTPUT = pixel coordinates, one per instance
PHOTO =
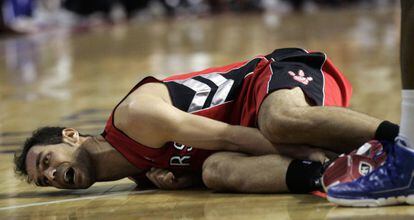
(60, 165)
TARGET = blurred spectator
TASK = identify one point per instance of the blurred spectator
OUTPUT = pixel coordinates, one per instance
(25, 16)
(16, 14)
(89, 7)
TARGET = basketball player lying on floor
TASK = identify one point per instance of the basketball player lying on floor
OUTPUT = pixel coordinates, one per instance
(236, 128)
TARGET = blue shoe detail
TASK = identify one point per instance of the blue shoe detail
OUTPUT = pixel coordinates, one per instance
(391, 183)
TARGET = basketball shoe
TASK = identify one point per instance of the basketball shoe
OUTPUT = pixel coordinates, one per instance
(349, 167)
(390, 184)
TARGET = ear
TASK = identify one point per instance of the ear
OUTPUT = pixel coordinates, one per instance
(71, 137)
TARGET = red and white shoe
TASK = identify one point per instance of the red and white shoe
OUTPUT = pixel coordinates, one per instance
(360, 162)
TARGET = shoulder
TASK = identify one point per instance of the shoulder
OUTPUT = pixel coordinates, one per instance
(141, 104)
(143, 117)
(134, 110)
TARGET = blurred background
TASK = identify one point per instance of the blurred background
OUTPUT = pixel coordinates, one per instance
(28, 16)
(69, 62)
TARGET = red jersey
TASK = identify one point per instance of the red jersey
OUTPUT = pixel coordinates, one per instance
(233, 94)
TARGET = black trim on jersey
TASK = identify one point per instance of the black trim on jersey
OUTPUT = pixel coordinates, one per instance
(213, 90)
(182, 95)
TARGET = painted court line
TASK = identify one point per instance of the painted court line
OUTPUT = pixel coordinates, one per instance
(73, 200)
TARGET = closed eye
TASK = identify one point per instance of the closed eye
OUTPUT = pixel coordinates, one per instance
(46, 160)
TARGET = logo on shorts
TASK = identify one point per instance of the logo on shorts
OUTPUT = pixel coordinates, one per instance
(300, 77)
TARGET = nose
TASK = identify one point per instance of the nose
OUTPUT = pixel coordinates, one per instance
(50, 173)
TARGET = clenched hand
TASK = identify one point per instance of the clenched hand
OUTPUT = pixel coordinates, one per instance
(165, 179)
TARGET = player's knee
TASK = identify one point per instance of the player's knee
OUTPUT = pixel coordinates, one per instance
(279, 125)
(219, 175)
(211, 174)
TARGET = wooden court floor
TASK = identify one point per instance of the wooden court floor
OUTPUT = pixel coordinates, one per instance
(74, 79)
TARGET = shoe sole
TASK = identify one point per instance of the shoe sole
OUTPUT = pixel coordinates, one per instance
(373, 202)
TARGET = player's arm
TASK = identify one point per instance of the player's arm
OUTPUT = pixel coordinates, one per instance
(153, 122)
(205, 133)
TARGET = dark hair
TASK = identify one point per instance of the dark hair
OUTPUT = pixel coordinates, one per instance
(41, 136)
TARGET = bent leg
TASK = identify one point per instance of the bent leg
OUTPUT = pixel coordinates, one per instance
(286, 117)
(237, 172)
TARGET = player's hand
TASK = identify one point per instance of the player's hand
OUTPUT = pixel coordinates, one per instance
(165, 179)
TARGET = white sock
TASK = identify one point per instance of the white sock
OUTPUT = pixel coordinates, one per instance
(407, 117)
